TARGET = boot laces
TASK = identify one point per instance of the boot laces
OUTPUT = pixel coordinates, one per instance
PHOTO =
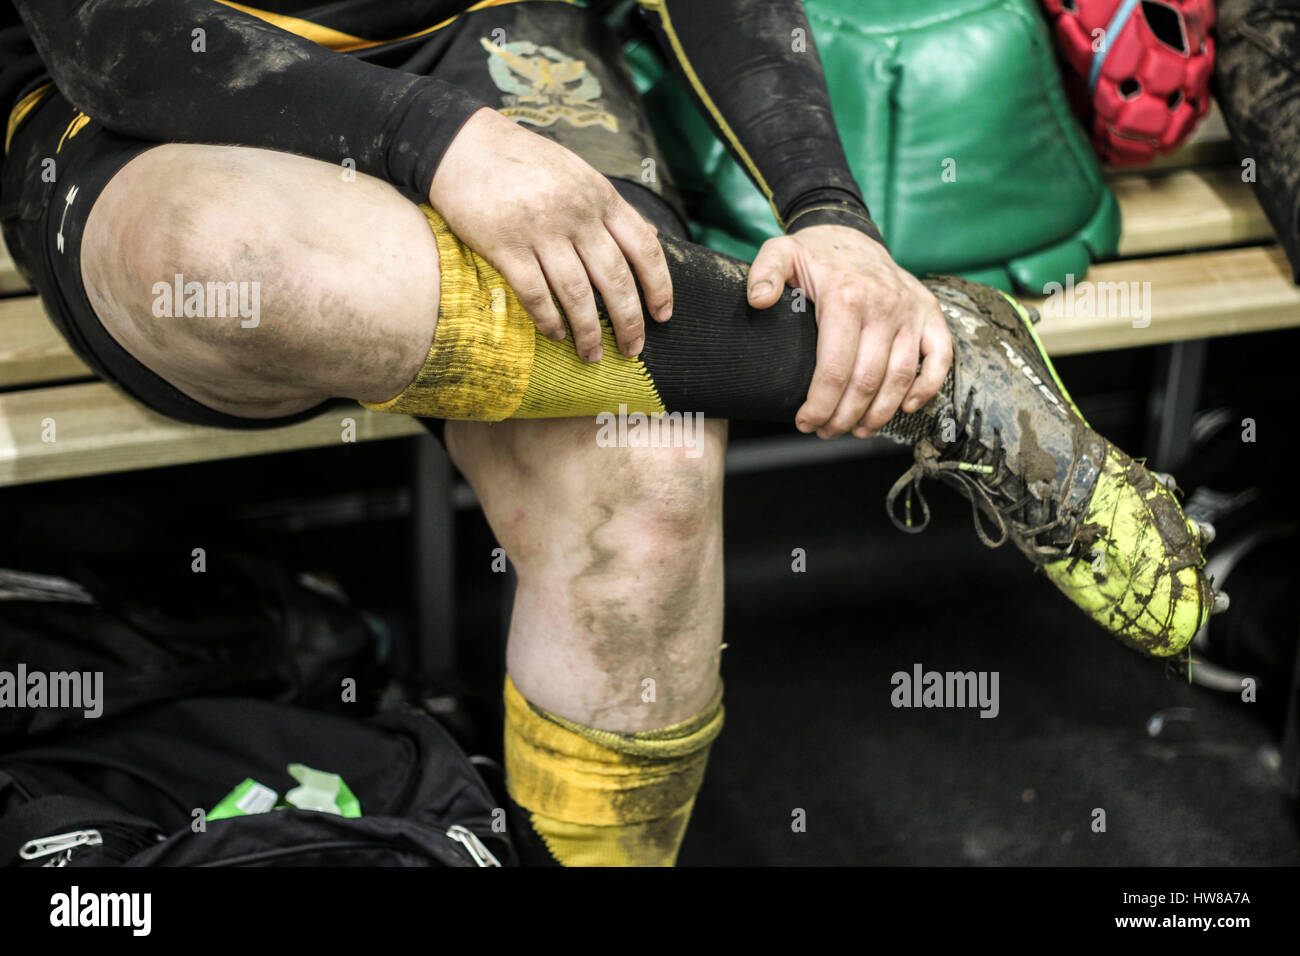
(982, 474)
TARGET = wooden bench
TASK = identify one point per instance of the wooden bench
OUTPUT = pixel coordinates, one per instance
(1178, 217)
(1192, 229)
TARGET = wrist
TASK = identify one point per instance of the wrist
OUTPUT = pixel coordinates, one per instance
(434, 117)
(853, 216)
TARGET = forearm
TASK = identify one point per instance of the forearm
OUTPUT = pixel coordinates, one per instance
(145, 70)
(754, 70)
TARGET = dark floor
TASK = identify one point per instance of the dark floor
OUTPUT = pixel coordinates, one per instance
(810, 725)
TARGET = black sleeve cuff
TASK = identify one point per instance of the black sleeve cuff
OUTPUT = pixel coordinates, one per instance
(434, 113)
(833, 212)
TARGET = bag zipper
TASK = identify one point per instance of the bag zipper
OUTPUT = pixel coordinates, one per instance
(120, 842)
(479, 853)
(59, 846)
(472, 845)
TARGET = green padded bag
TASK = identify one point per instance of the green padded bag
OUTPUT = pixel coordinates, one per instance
(956, 126)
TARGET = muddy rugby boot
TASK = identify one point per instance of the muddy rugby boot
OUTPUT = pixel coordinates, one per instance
(1003, 431)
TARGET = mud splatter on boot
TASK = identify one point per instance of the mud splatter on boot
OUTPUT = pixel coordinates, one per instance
(1005, 433)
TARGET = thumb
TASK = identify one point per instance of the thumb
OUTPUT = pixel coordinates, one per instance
(771, 269)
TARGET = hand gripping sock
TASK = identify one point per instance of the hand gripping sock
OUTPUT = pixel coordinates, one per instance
(716, 356)
(599, 798)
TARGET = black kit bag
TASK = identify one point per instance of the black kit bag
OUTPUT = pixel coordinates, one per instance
(126, 792)
(156, 630)
(201, 680)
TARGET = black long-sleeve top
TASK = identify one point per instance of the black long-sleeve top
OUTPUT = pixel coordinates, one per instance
(326, 80)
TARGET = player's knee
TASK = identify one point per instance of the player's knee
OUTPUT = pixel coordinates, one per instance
(677, 496)
(173, 276)
(248, 275)
(657, 523)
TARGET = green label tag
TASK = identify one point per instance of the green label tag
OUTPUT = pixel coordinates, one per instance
(247, 798)
(321, 791)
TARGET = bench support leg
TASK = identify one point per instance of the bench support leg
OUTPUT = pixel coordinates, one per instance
(1173, 403)
(434, 525)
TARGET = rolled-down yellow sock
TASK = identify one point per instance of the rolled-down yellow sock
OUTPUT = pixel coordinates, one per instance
(599, 798)
(488, 362)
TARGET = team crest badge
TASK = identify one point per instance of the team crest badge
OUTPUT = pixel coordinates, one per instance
(543, 85)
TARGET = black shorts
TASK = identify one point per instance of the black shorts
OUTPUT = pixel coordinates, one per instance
(59, 161)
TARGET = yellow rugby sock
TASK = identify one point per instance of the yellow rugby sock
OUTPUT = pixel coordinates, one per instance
(488, 362)
(599, 798)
